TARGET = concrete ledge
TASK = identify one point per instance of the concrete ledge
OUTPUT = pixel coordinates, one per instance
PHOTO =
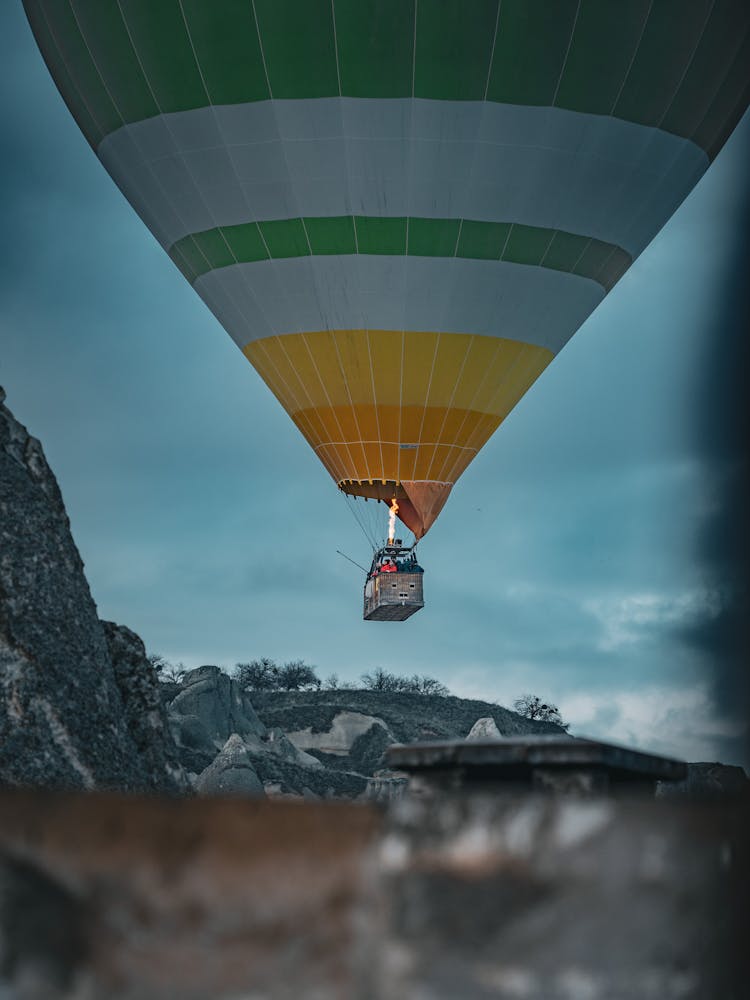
(553, 763)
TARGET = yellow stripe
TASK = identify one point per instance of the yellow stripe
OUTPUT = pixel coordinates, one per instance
(359, 396)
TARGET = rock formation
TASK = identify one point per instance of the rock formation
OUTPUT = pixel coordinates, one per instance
(144, 712)
(208, 708)
(62, 714)
(227, 749)
(484, 729)
(195, 746)
(231, 773)
(218, 702)
(249, 765)
(284, 748)
(286, 770)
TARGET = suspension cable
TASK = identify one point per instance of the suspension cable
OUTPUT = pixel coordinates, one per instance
(369, 521)
(357, 514)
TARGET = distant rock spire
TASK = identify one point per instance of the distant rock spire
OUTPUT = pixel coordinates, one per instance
(484, 729)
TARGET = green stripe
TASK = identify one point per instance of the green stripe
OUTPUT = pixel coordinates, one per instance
(376, 54)
(718, 40)
(532, 39)
(482, 240)
(528, 244)
(379, 235)
(672, 34)
(228, 50)
(299, 48)
(333, 235)
(671, 64)
(67, 44)
(433, 237)
(285, 238)
(453, 49)
(605, 39)
(593, 259)
(254, 241)
(65, 83)
(165, 51)
(111, 49)
(728, 104)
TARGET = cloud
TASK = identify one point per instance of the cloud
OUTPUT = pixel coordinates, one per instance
(685, 723)
(643, 617)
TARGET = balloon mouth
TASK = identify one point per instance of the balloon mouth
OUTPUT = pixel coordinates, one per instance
(419, 501)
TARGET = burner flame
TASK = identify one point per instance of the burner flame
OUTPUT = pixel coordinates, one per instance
(392, 521)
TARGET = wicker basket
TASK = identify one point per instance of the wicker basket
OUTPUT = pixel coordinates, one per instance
(393, 597)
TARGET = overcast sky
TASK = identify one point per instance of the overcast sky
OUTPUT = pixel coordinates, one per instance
(586, 555)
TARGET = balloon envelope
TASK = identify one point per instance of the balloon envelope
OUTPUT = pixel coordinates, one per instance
(401, 212)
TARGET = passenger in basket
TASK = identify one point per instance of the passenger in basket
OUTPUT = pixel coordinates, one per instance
(388, 566)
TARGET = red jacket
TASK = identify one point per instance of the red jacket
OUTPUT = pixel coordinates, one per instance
(388, 568)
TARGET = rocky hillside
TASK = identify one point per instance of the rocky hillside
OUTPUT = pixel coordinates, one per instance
(314, 743)
(350, 729)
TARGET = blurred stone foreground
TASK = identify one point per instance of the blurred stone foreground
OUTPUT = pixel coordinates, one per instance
(450, 896)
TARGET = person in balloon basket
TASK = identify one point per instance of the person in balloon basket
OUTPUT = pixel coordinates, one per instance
(384, 567)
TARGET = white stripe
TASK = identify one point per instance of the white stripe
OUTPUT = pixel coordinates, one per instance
(535, 305)
(549, 167)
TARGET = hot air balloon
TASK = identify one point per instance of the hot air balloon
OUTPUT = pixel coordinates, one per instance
(401, 210)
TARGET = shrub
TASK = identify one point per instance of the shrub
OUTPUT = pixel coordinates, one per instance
(382, 680)
(265, 675)
(258, 675)
(298, 676)
(531, 706)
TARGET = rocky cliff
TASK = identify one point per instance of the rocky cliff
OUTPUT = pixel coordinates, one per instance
(79, 705)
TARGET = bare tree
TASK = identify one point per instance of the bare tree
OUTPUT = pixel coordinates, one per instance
(430, 685)
(297, 676)
(258, 675)
(331, 683)
(166, 672)
(157, 661)
(266, 675)
(382, 680)
(531, 706)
